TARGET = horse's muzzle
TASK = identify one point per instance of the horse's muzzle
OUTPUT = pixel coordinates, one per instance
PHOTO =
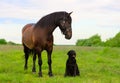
(68, 34)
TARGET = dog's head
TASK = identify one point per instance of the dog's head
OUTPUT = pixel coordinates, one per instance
(71, 54)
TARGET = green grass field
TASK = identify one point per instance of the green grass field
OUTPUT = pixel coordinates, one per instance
(96, 64)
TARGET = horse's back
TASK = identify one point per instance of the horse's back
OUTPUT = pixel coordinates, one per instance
(27, 35)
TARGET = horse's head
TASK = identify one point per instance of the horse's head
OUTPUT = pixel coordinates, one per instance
(65, 25)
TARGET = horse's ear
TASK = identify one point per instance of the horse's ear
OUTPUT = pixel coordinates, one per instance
(70, 13)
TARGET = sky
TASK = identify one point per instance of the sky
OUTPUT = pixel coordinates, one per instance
(89, 17)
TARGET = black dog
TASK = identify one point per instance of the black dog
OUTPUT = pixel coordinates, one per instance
(71, 65)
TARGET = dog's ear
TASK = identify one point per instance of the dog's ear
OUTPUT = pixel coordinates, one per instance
(68, 53)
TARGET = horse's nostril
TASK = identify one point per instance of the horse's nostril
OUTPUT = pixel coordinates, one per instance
(68, 37)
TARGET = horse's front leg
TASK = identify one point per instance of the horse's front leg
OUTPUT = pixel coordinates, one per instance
(49, 52)
(34, 60)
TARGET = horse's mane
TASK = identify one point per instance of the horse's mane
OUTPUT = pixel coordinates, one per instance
(49, 19)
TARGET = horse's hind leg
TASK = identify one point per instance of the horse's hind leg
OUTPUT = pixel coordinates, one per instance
(26, 52)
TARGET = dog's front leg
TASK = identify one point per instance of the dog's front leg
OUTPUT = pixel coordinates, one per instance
(74, 71)
(66, 71)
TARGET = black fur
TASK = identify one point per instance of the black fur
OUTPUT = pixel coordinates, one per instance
(71, 65)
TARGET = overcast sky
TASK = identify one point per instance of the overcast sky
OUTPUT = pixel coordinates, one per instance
(89, 17)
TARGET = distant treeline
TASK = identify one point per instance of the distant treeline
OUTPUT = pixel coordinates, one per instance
(3, 41)
(95, 40)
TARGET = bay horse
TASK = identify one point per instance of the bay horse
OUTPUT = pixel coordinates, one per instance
(38, 36)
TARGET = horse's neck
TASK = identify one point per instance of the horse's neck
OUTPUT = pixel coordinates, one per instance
(53, 27)
(49, 25)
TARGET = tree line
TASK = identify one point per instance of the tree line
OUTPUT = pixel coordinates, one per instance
(3, 42)
(95, 40)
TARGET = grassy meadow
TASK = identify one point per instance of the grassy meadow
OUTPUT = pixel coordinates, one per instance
(96, 64)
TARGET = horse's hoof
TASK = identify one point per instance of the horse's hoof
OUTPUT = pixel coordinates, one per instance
(33, 70)
(40, 74)
(50, 74)
(25, 68)
(65, 75)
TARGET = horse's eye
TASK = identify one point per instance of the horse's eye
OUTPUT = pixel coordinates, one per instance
(63, 21)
